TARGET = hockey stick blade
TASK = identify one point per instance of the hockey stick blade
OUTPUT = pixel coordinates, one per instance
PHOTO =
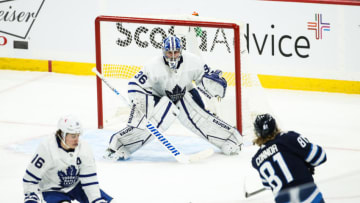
(200, 155)
(249, 194)
(179, 156)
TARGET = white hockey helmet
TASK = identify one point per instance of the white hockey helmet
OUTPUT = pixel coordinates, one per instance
(171, 45)
(69, 124)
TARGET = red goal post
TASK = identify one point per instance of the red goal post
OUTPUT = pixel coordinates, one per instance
(170, 22)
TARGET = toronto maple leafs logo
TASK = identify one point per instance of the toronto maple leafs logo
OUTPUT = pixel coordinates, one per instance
(176, 94)
(69, 178)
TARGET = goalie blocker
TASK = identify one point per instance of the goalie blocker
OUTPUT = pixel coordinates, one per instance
(162, 112)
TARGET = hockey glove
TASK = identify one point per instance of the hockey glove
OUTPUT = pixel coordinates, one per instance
(214, 84)
(31, 198)
(311, 168)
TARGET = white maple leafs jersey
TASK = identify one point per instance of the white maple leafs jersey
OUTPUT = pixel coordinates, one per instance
(158, 79)
(54, 169)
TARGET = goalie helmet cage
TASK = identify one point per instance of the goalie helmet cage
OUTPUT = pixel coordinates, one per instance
(169, 22)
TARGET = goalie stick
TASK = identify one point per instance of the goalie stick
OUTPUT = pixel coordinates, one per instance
(179, 156)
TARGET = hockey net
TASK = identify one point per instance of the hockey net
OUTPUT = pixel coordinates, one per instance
(125, 44)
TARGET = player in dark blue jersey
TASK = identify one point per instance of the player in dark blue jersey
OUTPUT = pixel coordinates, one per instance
(286, 161)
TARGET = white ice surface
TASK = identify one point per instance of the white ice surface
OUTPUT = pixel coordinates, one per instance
(32, 102)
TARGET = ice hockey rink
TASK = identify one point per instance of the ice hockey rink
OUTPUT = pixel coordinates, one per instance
(32, 102)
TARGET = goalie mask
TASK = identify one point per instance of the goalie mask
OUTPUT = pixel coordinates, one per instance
(69, 124)
(172, 51)
(264, 125)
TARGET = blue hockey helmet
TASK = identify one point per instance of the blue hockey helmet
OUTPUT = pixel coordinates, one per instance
(264, 125)
(172, 51)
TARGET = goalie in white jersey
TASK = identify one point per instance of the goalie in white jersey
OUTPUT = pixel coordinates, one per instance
(63, 169)
(163, 91)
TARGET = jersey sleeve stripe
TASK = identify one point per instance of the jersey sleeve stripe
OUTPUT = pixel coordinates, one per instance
(314, 197)
(312, 153)
(138, 91)
(33, 176)
(320, 159)
(87, 175)
(88, 180)
(88, 184)
(138, 86)
(27, 181)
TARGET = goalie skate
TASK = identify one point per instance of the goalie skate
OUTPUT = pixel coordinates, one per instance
(121, 154)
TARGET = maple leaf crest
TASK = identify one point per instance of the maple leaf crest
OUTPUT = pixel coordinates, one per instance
(176, 94)
(69, 178)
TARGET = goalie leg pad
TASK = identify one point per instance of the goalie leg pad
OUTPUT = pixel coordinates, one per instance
(142, 106)
(164, 114)
(127, 141)
(208, 126)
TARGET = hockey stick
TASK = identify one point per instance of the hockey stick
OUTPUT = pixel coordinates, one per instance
(179, 156)
(249, 194)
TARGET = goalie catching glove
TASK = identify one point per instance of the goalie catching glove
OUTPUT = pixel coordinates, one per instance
(213, 84)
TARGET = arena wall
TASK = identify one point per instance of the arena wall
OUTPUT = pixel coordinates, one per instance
(290, 45)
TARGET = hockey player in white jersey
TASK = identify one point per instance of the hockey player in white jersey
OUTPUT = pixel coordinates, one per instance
(163, 91)
(63, 169)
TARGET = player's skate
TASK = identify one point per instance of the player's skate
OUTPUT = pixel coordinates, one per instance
(121, 154)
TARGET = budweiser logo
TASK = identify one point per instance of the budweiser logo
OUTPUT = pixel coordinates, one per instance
(18, 16)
